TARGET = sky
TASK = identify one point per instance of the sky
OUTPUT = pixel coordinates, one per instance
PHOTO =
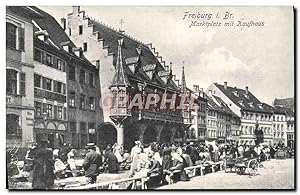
(260, 57)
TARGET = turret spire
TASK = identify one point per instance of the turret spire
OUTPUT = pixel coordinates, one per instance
(183, 83)
(120, 78)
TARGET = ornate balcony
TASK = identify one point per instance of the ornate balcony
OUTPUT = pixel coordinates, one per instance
(161, 116)
(40, 93)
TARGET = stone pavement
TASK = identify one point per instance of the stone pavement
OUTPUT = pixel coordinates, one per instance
(276, 174)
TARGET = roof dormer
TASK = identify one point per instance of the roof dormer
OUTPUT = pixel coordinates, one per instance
(149, 70)
(235, 93)
(251, 104)
(66, 46)
(42, 35)
(132, 63)
(241, 102)
(164, 75)
(77, 51)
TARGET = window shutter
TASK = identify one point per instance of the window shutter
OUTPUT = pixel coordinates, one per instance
(55, 62)
(65, 113)
(21, 39)
(44, 108)
(64, 88)
(22, 83)
(44, 83)
(55, 86)
(55, 112)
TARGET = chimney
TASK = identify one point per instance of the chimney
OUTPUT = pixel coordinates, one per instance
(196, 88)
(246, 90)
(63, 23)
(225, 85)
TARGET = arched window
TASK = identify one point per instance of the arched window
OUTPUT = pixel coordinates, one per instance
(13, 127)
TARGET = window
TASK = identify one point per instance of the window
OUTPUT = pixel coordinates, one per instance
(38, 108)
(82, 101)
(91, 80)
(61, 65)
(48, 110)
(84, 46)
(72, 99)
(37, 80)
(82, 126)
(49, 60)
(11, 35)
(73, 126)
(92, 103)
(282, 118)
(82, 76)
(72, 73)
(58, 87)
(70, 32)
(59, 112)
(37, 55)
(11, 82)
(80, 29)
(47, 84)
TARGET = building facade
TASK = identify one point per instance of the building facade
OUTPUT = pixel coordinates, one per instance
(251, 111)
(74, 86)
(19, 74)
(128, 67)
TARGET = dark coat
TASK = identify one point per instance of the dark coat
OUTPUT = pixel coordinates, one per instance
(92, 162)
(166, 159)
(112, 162)
(43, 164)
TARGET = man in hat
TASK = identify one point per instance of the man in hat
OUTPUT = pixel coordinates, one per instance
(91, 163)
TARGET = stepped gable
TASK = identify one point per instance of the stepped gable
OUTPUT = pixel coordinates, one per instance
(129, 52)
(249, 102)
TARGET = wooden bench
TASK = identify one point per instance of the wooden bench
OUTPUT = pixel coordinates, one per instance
(219, 164)
(112, 184)
(194, 170)
(170, 175)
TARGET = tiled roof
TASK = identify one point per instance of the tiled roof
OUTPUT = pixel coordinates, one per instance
(283, 110)
(56, 34)
(245, 102)
(24, 11)
(224, 106)
(129, 52)
(285, 102)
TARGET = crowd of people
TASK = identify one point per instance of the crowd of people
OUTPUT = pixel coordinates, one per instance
(154, 159)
